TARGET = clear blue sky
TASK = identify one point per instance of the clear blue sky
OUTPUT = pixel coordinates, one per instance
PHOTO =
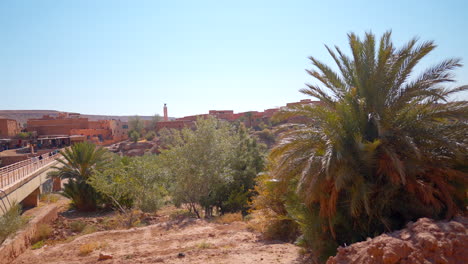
(131, 57)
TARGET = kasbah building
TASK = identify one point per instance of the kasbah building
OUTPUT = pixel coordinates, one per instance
(249, 118)
(73, 127)
(8, 128)
(107, 132)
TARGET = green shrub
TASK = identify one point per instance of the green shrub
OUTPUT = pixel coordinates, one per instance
(150, 135)
(83, 196)
(151, 203)
(49, 198)
(134, 136)
(37, 245)
(24, 135)
(11, 222)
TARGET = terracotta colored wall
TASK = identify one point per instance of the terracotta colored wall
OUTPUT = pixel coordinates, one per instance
(177, 124)
(8, 128)
(270, 112)
(119, 132)
(101, 124)
(105, 133)
(192, 118)
(56, 126)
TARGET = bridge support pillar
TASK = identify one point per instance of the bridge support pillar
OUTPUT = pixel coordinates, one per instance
(56, 184)
(32, 199)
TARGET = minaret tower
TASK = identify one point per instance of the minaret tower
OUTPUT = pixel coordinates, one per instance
(166, 118)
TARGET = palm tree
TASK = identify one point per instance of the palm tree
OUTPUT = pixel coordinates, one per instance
(80, 161)
(78, 165)
(383, 147)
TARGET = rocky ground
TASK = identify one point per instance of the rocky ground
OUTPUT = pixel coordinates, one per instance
(425, 241)
(165, 240)
(131, 149)
(174, 236)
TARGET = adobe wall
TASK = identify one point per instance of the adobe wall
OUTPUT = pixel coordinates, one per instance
(105, 133)
(56, 126)
(8, 128)
(176, 124)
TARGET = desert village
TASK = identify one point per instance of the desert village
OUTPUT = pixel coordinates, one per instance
(233, 132)
(52, 132)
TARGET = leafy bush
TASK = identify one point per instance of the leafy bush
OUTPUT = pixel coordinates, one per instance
(132, 183)
(150, 135)
(25, 135)
(11, 222)
(213, 166)
(151, 203)
(134, 135)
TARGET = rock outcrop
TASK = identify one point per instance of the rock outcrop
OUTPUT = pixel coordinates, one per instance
(425, 241)
(133, 149)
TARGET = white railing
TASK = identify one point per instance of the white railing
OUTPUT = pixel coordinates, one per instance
(16, 172)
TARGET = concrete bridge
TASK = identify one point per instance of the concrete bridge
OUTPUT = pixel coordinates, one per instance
(23, 181)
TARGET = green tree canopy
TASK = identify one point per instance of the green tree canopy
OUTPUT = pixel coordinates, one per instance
(135, 123)
(213, 166)
(136, 182)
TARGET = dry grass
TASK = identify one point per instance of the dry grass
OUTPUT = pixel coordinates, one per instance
(89, 229)
(181, 214)
(258, 222)
(49, 198)
(273, 227)
(228, 218)
(87, 248)
(43, 232)
(205, 245)
(77, 226)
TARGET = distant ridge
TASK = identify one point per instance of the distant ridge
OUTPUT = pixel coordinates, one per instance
(22, 116)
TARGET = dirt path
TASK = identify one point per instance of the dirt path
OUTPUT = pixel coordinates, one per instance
(198, 240)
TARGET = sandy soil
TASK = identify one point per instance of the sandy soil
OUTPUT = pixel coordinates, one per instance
(199, 241)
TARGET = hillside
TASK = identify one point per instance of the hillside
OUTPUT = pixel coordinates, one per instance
(22, 116)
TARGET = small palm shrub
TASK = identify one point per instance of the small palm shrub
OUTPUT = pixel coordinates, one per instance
(270, 215)
(82, 195)
(80, 162)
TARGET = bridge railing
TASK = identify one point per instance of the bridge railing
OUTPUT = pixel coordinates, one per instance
(15, 172)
